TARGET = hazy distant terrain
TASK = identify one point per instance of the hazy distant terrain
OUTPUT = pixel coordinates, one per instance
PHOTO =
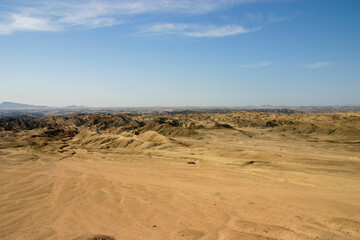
(12, 105)
(8, 109)
(232, 175)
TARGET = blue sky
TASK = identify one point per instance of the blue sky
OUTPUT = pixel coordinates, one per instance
(180, 53)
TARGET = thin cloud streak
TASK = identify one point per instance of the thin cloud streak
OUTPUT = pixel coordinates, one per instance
(256, 65)
(195, 30)
(317, 65)
(66, 14)
(24, 22)
(93, 8)
(222, 31)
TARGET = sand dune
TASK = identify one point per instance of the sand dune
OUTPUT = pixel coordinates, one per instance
(128, 176)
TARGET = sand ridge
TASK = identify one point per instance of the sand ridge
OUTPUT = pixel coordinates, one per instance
(126, 176)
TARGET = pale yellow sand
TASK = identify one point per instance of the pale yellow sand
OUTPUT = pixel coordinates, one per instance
(269, 186)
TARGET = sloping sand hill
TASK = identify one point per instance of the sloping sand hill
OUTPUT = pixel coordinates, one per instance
(182, 176)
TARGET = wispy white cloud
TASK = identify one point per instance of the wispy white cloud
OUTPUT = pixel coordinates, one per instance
(317, 65)
(221, 31)
(195, 30)
(24, 22)
(255, 16)
(256, 65)
(168, 28)
(65, 14)
(274, 18)
(92, 8)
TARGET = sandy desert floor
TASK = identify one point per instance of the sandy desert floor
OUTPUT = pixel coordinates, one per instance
(220, 180)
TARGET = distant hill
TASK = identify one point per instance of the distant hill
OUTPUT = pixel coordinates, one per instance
(75, 106)
(12, 105)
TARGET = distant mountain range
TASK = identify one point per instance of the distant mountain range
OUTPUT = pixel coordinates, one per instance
(75, 106)
(13, 105)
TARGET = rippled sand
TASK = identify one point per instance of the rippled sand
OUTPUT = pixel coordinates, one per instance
(240, 183)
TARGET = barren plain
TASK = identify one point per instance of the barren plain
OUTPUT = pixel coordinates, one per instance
(240, 175)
